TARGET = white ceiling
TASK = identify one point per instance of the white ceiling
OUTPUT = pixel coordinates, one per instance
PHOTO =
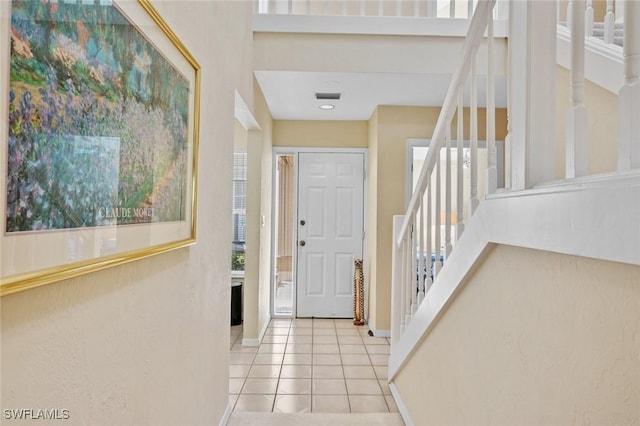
(290, 95)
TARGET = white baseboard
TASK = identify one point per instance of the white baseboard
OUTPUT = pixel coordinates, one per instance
(251, 342)
(381, 333)
(263, 331)
(227, 415)
(255, 341)
(402, 409)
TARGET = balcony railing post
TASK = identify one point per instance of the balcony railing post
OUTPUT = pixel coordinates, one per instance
(609, 23)
(629, 96)
(576, 138)
(588, 19)
(396, 284)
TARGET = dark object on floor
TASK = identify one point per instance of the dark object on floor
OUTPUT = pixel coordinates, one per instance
(370, 333)
(236, 303)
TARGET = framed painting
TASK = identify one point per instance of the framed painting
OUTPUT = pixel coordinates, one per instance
(100, 114)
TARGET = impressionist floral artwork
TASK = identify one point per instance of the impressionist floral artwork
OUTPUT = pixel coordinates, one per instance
(98, 131)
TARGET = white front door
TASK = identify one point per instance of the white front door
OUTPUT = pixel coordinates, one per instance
(330, 232)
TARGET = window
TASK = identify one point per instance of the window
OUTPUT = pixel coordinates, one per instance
(239, 205)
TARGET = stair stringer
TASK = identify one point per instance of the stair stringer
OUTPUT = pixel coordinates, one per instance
(590, 218)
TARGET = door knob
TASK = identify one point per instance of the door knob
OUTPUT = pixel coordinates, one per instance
(302, 222)
(302, 243)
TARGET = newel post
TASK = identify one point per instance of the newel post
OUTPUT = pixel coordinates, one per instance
(396, 281)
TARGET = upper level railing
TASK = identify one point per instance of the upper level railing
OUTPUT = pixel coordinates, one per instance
(417, 8)
(608, 28)
(408, 8)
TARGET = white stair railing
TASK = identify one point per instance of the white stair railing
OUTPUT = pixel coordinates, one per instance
(415, 8)
(418, 250)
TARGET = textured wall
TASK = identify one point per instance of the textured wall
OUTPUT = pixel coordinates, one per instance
(146, 343)
(533, 338)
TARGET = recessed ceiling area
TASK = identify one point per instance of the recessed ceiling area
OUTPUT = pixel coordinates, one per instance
(291, 95)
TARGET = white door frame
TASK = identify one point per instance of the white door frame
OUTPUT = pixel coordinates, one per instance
(281, 150)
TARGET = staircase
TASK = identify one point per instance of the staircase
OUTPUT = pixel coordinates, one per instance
(495, 332)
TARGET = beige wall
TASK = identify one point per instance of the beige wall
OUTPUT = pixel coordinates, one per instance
(371, 256)
(533, 338)
(239, 137)
(257, 279)
(320, 134)
(146, 343)
(602, 117)
(264, 118)
(392, 126)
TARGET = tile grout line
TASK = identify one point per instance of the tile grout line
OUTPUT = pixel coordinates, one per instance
(333, 326)
(344, 376)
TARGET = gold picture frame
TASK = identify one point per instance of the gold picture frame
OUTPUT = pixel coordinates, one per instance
(100, 162)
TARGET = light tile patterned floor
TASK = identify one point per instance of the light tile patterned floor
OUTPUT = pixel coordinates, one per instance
(311, 365)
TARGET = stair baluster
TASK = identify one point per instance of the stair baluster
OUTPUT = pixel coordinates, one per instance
(492, 156)
(412, 284)
(430, 266)
(460, 166)
(474, 138)
(447, 205)
(438, 218)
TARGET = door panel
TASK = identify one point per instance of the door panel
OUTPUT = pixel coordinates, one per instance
(331, 206)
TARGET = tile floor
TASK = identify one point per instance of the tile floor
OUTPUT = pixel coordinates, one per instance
(311, 365)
